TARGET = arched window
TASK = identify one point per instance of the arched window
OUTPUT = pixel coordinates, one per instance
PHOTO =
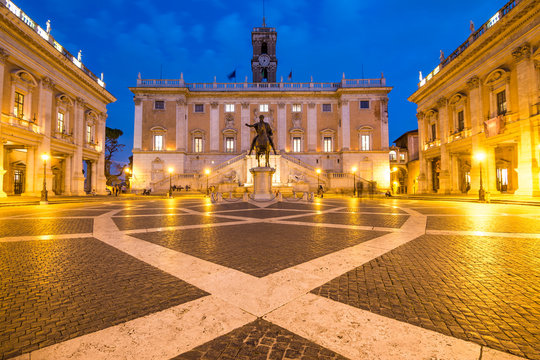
(264, 48)
(498, 85)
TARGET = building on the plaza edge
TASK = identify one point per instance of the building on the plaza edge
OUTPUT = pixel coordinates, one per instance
(479, 109)
(404, 164)
(50, 104)
(194, 127)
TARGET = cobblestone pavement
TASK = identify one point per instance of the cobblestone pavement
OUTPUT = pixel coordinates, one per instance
(331, 279)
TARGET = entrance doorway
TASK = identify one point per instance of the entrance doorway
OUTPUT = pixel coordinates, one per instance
(502, 179)
(435, 171)
(18, 182)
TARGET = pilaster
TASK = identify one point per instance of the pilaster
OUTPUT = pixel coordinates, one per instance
(282, 126)
(384, 124)
(181, 125)
(3, 58)
(312, 127)
(137, 130)
(345, 127)
(2, 168)
(77, 187)
(444, 176)
(31, 187)
(244, 130)
(214, 127)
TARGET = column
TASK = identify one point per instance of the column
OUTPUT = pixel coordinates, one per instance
(455, 174)
(444, 176)
(312, 127)
(181, 125)
(100, 179)
(245, 140)
(422, 176)
(68, 175)
(3, 58)
(526, 152)
(490, 170)
(214, 127)
(31, 187)
(384, 124)
(2, 169)
(94, 176)
(77, 187)
(345, 126)
(282, 126)
(137, 131)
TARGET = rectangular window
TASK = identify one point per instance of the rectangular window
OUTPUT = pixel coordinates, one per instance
(365, 142)
(199, 108)
(60, 123)
(159, 105)
(401, 157)
(460, 121)
(326, 107)
(197, 145)
(297, 144)
(229, 144)
(364, 104)
(433, 132)
(263, 108)
(89, 135)
(158, 142)
(297, 108)
(392, 155)
(327, 144)
(501, 103)
(18, 109)
(229, 108)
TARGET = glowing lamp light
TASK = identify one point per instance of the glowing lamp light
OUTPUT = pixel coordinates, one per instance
(207, 171)
(354, 169)
(171, 170)
(45, 157)
(480, 156)
(318, 171)
(394, 169)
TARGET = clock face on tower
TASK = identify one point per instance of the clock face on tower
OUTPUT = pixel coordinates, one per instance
(264, 60)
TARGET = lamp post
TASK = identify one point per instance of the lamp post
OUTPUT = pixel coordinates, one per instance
(481, 192)
(318, 182)
(170, 182)
(354, 180)
(207, 172)
(44, 198)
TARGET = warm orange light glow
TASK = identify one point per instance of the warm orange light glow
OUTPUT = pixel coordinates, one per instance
(45, 157)
(171, 170)
(128, 171)
(394, 169)
(354, 169)
(207, 171)
(318, 171)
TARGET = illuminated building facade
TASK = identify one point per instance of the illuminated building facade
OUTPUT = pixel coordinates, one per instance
(484, 99)
(191, 127)
(50, 104)
(404, 164)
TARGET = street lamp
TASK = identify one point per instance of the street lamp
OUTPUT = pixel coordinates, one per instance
(44, 198)
(354, 180)
(207, 172)
(318, 183)
(481, 192)
(170, 182)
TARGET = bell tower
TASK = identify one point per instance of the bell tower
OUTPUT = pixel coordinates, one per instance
(264, 61)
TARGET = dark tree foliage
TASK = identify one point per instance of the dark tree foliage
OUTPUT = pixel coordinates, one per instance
(112, 146)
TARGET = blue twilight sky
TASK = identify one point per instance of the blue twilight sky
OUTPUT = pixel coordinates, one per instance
(207, 38)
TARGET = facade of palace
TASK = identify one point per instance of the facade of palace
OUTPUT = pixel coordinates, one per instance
(194, 127)
(50, 104)
(404, 164)
(479, 110)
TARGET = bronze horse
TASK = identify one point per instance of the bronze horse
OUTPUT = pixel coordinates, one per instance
(262, 147)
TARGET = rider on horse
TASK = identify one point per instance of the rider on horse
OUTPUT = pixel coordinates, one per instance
(260, 127)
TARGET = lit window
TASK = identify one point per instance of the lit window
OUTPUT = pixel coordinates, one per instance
(461, 121)
(364, 104)
(402, 157)
(197, 145)
(159, 105)
(199, 108)
(501, 103)
(263, 108)
(297, 144)
(18, 109)
(158, 142)
(229, 108)
(229, 144)
(366, 142)
(89, 134)
(392, 155)
(297, 108)
(60, 123)
(326, 107)
(327, 144)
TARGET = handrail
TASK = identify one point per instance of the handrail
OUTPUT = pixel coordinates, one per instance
(229, 162)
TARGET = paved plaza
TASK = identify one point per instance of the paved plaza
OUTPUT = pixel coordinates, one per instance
(336, 278)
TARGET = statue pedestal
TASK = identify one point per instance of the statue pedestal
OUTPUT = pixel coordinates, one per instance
(262, 183)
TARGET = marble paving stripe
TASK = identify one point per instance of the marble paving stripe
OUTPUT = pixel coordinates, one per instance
(360, 334)
(371, 213)
(52, 217)
(339, 226)
(45, 237)
(161, 335)
(185, 227)
(149, 215)
(484, 233)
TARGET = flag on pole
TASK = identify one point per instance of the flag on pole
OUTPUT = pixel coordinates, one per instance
(232, 75)
(290, 76)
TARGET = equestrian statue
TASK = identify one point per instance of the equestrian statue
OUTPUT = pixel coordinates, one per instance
(263, 141)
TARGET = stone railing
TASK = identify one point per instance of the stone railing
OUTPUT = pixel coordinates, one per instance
(278, 86)
(431, 144)
(458, 135)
